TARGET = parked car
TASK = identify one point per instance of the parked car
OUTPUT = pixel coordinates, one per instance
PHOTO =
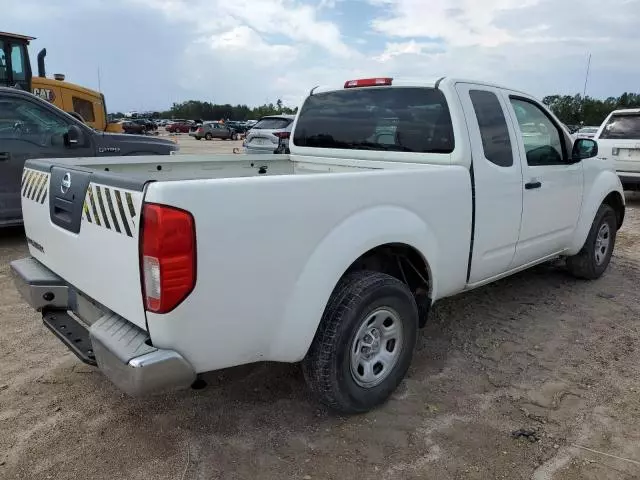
(211, 130)
(333, 257)
(587, 132)
(619, 140)
(240, 127)
(271, 134)
(179, 127)
(149, 124)
(31, 127)
(131, 127)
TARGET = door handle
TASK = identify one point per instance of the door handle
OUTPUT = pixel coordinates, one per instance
(4, 156)
(532, 185)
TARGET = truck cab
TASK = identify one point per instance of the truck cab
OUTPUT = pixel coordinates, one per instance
(15, 68)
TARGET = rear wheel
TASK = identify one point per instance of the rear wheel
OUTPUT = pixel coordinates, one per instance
(235, 136)
(364, 344)
(208, 136)
(594, 257)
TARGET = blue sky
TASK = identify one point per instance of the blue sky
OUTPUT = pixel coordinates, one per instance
(151, 53)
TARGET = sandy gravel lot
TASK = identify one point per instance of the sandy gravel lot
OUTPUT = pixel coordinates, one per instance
(539, 351)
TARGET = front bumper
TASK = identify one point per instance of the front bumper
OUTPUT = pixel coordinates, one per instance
(121, 350)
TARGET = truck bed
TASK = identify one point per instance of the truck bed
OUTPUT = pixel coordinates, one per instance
(197, 167)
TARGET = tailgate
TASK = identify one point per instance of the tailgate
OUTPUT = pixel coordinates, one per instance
(84, 225)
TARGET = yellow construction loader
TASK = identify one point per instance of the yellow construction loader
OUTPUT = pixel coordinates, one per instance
(15, 71)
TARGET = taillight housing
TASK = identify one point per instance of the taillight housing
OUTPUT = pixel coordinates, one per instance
(282, 135)
(200, 130)
(168, 257)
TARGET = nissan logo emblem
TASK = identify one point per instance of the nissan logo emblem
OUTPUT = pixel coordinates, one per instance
(66, 183)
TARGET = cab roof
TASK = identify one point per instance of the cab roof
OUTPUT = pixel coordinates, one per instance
(16, 36)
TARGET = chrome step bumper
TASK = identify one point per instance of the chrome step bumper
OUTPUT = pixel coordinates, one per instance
(122, 351)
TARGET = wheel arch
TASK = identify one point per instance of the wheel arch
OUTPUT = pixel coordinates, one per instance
(366, 238)
(606, 189)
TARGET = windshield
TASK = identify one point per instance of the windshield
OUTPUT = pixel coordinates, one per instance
(623, 126)
(396, 119)
(272, 123)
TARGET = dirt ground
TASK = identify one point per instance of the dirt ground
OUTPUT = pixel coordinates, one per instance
(539, 351)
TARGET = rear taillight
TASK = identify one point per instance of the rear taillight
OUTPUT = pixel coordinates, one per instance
(282, 135)
(200, 130)
(168, 257)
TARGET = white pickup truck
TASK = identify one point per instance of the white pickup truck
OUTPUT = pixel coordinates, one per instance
(394, 196)
(619, 140)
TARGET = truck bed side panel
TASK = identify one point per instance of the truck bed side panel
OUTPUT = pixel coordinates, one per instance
(271, 249)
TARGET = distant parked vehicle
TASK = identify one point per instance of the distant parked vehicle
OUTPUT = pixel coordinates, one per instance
(270, 135)
(619, 140)
(129, 126)
(148, 125)
(587, 132)
(178, 127)
(211, 130)
(240, 127)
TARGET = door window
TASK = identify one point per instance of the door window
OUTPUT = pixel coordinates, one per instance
(23, 120)
(541, 137)
(493, 127)
(84, 108)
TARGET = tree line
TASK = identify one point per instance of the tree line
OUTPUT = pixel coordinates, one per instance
(577, 110)
(195, 109)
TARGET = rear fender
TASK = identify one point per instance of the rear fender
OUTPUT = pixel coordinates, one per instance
(350, 239)
(606, 182)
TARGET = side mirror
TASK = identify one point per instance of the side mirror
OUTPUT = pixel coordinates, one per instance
(74, 136)
(584, 148)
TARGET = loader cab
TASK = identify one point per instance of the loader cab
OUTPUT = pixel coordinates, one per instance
(15, 67)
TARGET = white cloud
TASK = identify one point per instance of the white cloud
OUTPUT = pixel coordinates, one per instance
(395, 49)
(243, 40)
(285, 18)
(457, 22)
(252, 51)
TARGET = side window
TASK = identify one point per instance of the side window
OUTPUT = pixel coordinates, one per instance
(17, 62)
(84, 108)
(542, 138)
(23, 120)
(493, 127)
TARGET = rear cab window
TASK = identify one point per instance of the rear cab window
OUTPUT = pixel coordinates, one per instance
(273, 123)
(401, 119)
(622, 126)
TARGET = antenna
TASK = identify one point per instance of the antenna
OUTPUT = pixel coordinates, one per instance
(99, 86)
(586, 77)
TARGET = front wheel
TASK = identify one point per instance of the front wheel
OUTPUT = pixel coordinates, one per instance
(594, 257)
(364, 344)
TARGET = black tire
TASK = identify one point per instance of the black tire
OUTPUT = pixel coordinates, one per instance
(327, 365)
(235, 136)
(584, 264)
(208, 136)
(198, 138)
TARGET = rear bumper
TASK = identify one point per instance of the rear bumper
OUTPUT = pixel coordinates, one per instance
(630, 180)
(121, 350)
